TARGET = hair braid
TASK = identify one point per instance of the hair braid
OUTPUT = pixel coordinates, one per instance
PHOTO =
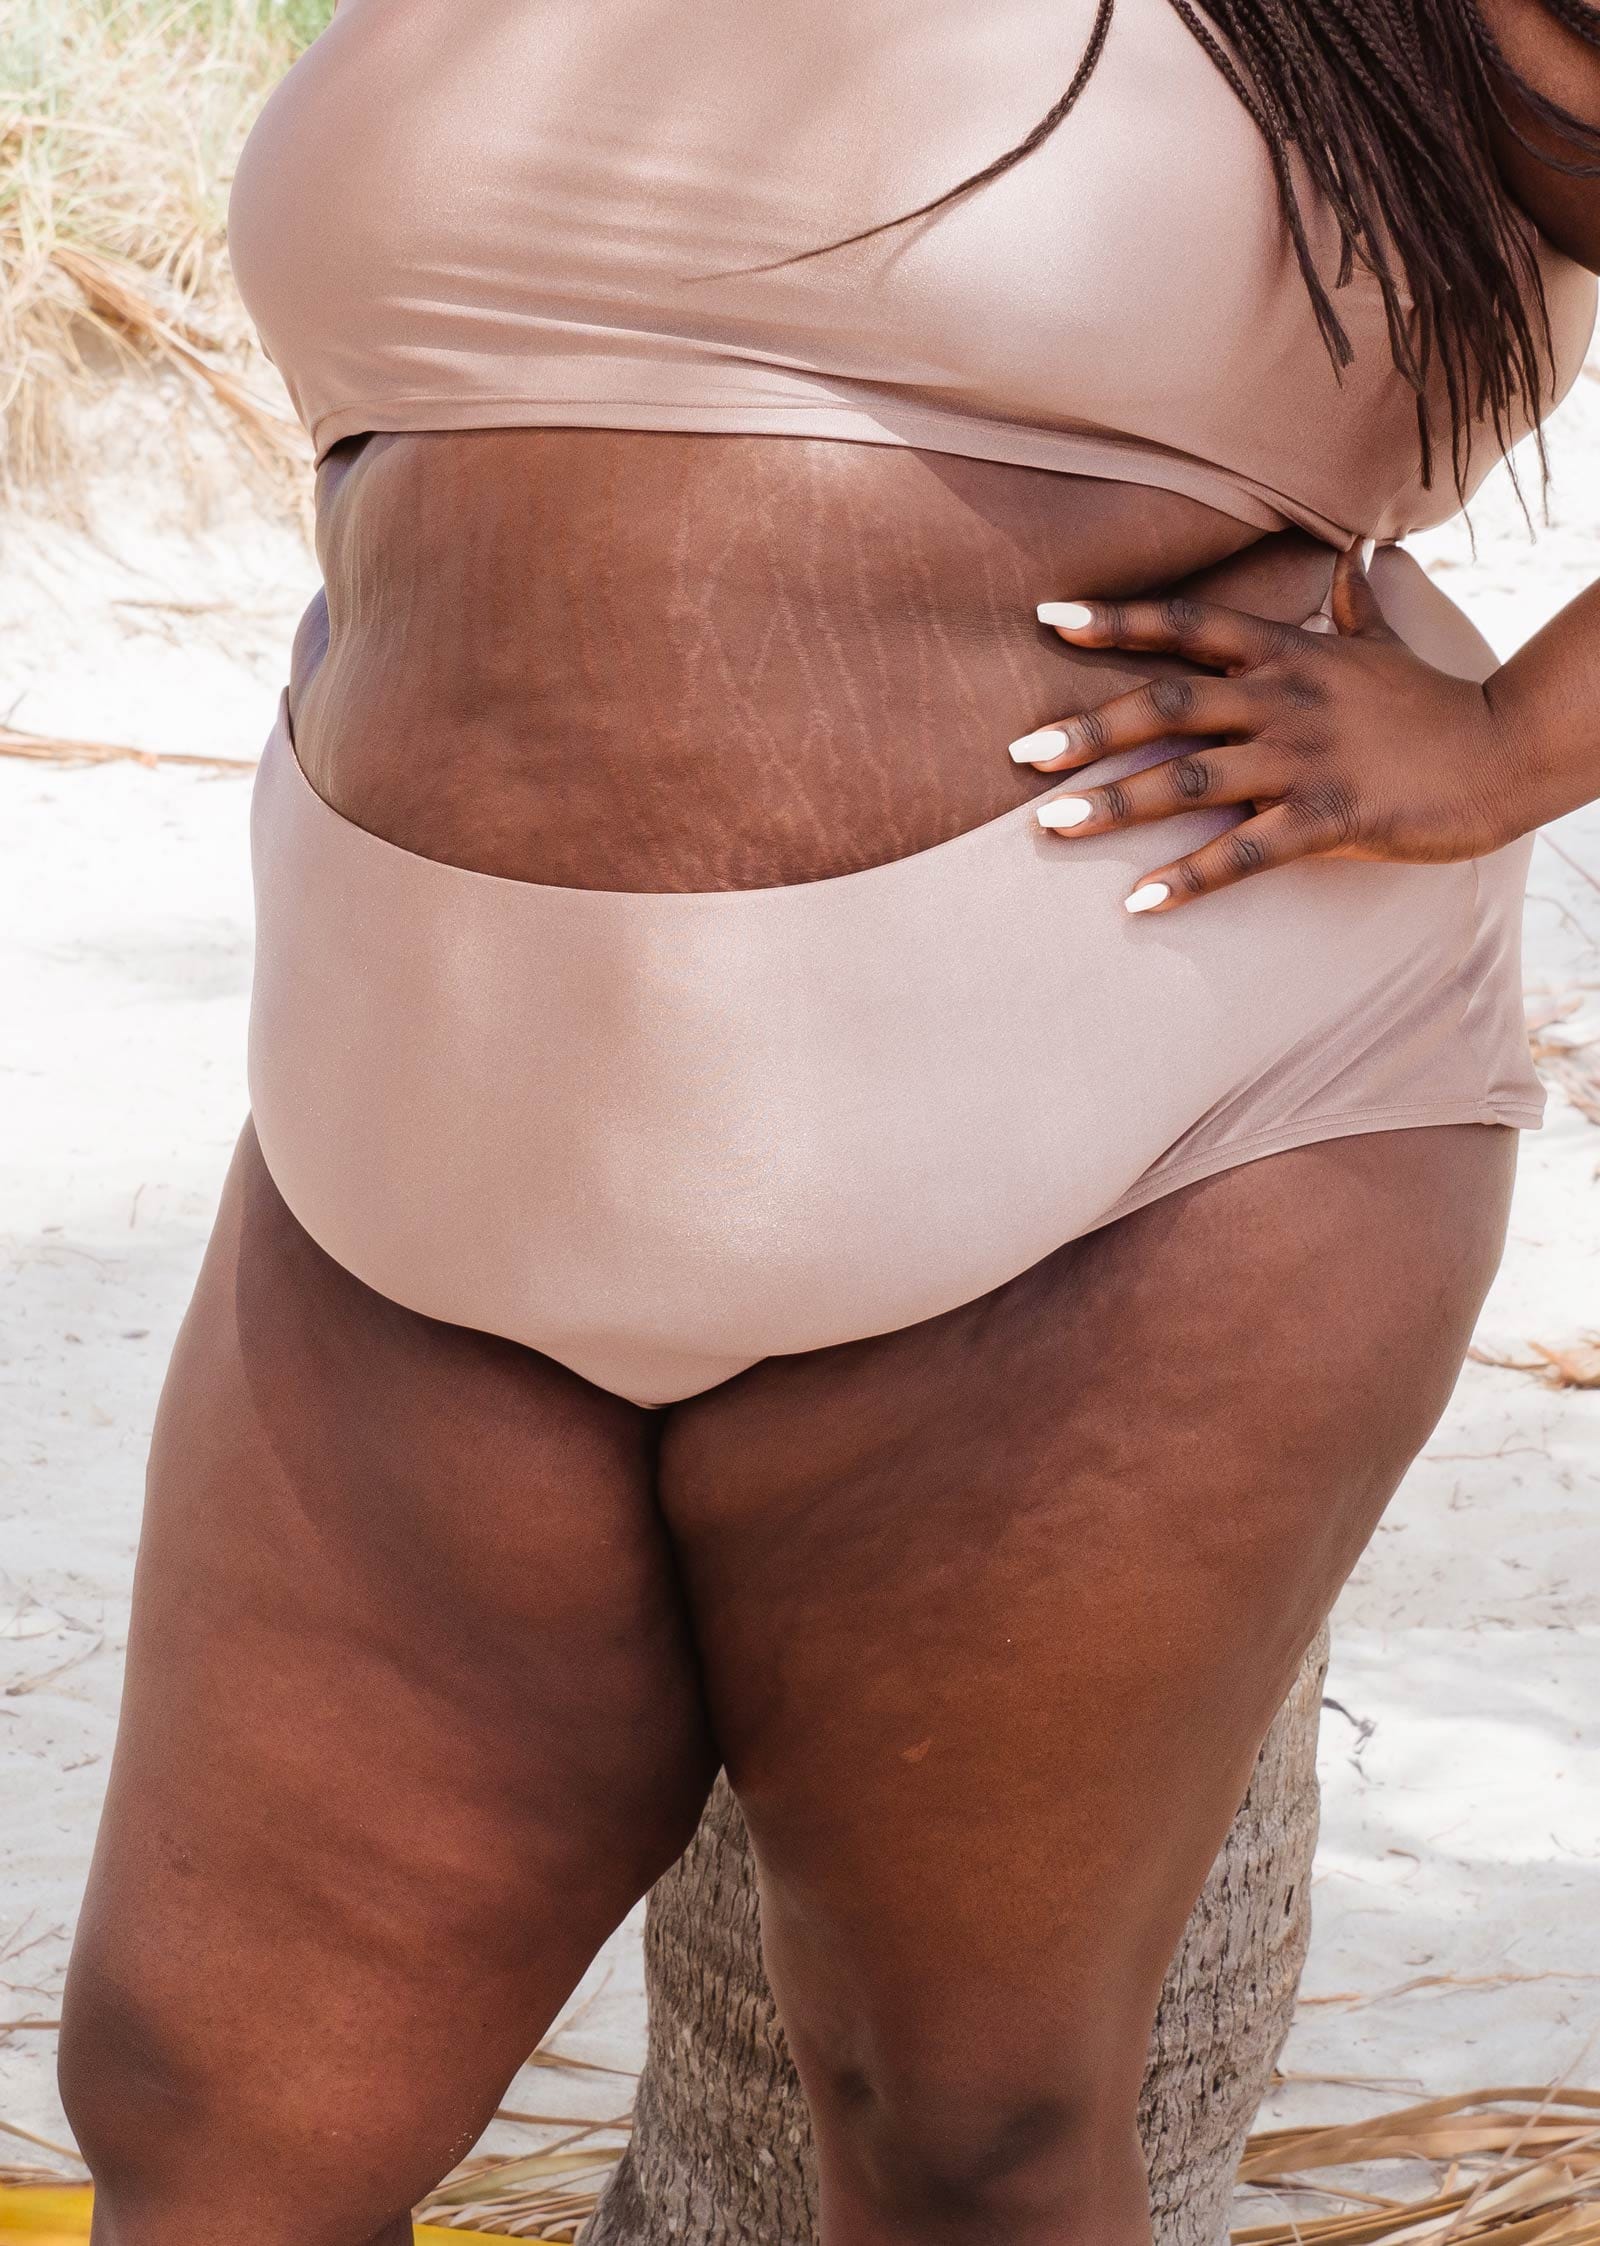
(1388, 105)
(1387, 108)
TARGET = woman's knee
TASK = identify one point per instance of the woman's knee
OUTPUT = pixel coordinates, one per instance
(145, 2106)
(948, 2142)
(185, 2138)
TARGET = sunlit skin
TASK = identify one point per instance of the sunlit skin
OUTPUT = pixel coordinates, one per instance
(643, 661)
(1297, 729)
(436, 1648)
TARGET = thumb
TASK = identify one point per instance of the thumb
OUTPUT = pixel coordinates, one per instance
(1351, 601)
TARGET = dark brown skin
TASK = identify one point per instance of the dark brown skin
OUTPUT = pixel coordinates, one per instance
(1307, 724)
(436, 1647)
(640, 661)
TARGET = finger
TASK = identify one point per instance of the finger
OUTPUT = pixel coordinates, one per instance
(1272, 838)
(1241, 774)
(1161, 709)
(1352, 602)
(1220, 639)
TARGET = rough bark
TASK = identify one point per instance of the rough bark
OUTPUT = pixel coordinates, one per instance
(722, 2152)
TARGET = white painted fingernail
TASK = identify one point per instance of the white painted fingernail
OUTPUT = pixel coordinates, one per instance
(1065, 811)
(1070, 614)
(1037, 748)
(1146, 897)
(1369, 546)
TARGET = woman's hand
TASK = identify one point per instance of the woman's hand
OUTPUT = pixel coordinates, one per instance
(1343, 742)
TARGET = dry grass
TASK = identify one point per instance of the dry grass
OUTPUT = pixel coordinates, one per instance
(1569, 1364)
(53, 748)
(1504, 2167)
(1501, 2167)
(120, 123)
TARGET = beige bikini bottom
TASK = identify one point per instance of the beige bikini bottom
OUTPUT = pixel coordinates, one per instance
(660, 1137)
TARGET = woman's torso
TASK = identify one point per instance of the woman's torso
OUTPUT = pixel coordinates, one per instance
(628, 661)
(695, 651)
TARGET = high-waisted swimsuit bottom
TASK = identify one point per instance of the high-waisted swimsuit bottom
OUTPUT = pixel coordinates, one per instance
(661, 1136)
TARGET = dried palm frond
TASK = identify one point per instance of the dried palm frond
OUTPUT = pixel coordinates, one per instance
(1513, 2167)
(1571, 1364)
(53, 748)
(1521, 2166)
(1518, 2165)
(32, 2137)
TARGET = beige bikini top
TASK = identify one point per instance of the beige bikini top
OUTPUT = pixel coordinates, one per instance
(461, 214)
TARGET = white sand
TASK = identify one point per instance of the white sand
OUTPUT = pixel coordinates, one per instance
(1458, 1898)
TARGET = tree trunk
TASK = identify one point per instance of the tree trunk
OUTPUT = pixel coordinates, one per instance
(721, 2152)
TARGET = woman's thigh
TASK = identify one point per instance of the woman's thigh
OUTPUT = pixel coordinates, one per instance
(994, 1614)
(411, 1719)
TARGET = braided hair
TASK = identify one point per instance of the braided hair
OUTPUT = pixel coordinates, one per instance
(1390, 106)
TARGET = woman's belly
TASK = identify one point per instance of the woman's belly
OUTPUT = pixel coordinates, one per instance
(653, 662)
(658, 1136)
